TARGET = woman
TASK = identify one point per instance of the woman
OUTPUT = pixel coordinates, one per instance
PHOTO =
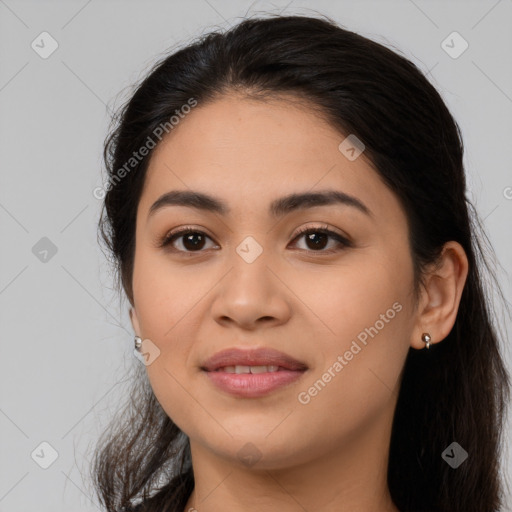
(286, 207)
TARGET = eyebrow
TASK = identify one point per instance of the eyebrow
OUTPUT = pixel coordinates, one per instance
(278, 208)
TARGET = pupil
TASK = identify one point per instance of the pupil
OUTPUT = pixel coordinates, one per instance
(317, 245)
(188, 239)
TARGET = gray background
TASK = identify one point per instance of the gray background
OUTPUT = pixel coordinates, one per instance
(66, 339)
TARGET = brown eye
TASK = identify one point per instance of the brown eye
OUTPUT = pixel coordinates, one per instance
(191, 240)
(317, 238)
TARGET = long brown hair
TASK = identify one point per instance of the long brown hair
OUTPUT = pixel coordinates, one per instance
(456, 391)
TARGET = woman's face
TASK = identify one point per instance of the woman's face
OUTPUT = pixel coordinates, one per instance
(248, 280)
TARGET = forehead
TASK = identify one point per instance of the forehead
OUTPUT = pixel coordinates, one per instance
(250, 152)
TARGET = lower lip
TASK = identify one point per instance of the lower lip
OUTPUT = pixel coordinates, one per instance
(253, 385)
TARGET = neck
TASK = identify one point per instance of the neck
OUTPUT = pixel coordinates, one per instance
(352, 478)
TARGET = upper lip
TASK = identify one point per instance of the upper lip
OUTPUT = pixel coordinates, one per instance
(252, 357)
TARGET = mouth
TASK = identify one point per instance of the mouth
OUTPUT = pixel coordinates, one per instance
(252, 373)
(260, 360)
(244, 369)
(246, 384)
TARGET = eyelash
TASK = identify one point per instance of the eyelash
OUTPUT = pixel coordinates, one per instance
(342, 241)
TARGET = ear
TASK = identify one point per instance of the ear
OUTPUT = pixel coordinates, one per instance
(440, 297)
(135, 321)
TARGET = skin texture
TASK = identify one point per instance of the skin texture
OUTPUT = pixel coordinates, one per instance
(331, 453)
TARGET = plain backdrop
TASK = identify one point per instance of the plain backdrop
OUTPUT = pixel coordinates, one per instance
(66, 340)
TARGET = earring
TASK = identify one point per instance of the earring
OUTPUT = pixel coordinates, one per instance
(138, 343)
(425, 337)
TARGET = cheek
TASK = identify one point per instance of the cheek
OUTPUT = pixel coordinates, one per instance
(363, 336)
(161, 294)
(342, 302)
(168, 303)
(357, 379)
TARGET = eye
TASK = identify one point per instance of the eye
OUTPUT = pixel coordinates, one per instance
(193, 240)
(317, 237)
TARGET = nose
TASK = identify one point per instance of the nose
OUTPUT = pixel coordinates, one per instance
(251, 295)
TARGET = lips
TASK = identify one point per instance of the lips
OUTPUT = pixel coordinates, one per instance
(252, 357)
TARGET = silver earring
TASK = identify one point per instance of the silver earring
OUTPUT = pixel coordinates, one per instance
(425, 337)
(138, 343)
